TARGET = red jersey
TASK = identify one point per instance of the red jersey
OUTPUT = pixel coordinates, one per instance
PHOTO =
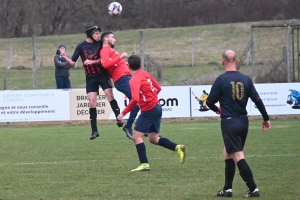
(116, 67)
(144, 91)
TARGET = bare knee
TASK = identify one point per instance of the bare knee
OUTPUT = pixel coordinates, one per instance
(92, 99)
(109, 94)
(153, 138)
(137, 137)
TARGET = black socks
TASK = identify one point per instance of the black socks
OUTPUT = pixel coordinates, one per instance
(164, 142)
(229, 173)
(93, 118)
(141, 151)
(115, 107)
(246, 174)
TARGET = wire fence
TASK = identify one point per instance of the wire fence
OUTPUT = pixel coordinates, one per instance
(273, 54)
(174, 56)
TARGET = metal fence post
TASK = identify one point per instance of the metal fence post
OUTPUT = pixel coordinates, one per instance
(10, 56)
(142, 50)
(288, 50)
(193, 54)
(254, 70)
(34, 62)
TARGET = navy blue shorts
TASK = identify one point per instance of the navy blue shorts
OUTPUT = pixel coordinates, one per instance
(234, 132)
(149, 121)
(94, 80)
(122, 85)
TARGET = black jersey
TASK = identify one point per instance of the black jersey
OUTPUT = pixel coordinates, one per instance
(232, 89)
(89, 51)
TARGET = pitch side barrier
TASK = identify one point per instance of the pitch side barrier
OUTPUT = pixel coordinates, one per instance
(176, 101)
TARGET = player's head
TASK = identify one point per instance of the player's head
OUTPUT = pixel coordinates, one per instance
(108, 38)
(134, 62)
(229, 59)
(93, 32)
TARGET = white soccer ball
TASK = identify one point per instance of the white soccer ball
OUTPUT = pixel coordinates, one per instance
(114, 9)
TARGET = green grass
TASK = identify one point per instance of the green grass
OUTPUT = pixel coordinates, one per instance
(171, 48)
(60, 162)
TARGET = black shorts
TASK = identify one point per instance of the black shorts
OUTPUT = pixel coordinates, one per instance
(94, 80)
(234, 132)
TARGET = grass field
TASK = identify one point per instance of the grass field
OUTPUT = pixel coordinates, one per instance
(60, 162)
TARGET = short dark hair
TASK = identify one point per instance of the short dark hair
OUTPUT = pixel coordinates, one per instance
(134, 62)
(105, 33)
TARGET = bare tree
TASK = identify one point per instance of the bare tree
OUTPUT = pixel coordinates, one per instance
(21, 18)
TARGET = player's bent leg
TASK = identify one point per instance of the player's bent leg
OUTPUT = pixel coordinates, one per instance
(109, 94)
(132, 116)
(137, 137)
(153, 138)
(114, 105)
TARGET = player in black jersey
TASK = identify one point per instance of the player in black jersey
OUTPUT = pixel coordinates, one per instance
(232, 90)
(89, 52)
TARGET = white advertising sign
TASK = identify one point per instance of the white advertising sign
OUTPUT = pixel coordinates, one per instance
(34, 105)
(173, 99)
(198, 91)
(176, 101)
(278, 98)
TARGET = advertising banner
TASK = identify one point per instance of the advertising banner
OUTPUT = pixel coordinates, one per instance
(34, 105)
(198, 97)
(79, 105)
(279, 99)
(175, 101)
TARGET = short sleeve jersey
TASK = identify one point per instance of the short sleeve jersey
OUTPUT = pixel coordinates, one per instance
(89, 51)
(144, 90)
(116, 67)
(232, 89)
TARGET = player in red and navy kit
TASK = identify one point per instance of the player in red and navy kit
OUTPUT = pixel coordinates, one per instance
(233, 89)
(89, 52)
(118, 70)
(144, 90)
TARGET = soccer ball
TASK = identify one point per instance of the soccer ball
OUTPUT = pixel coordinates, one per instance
(114, 9)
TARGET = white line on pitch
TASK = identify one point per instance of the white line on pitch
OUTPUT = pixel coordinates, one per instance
(82, 161)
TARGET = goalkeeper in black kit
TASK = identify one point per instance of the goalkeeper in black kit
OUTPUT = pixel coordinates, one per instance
(232, 90)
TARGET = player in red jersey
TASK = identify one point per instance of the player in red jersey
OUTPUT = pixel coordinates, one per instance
(144, 90)
(119, 71)
(89, 52)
